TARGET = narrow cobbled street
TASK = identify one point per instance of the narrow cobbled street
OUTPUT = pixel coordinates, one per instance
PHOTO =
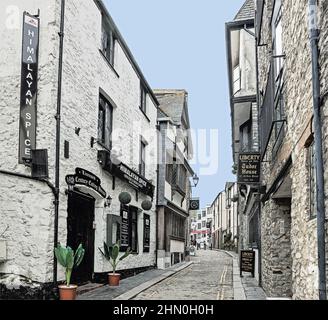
(208, 278)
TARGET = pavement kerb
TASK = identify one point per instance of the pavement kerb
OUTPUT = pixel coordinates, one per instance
(238, 288)
(137, 290)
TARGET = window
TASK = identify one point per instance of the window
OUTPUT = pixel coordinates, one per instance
(142, 165)
(199, 217)
(169, 173)
(277, 45)
(105, 122)
(203, 224)
(204, 213)
(143, 98)
(236, 80)
(107, 42)
(181, 177)
(134, 229)
(178, 226)
(245, 136)
(199, 226)
(312, 181)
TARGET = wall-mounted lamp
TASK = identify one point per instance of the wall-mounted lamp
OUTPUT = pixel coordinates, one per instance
(108, 201)
(195, 180)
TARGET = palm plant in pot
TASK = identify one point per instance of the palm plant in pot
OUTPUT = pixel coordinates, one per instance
(111, 253)
(68, 259)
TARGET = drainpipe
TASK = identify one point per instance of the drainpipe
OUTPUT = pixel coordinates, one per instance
(314, 37)
(259, 126)
(57, 161)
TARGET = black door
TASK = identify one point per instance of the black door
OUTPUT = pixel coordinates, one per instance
(80, 230)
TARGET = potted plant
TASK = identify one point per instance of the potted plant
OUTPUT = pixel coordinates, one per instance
(111, 253)
(68, 259)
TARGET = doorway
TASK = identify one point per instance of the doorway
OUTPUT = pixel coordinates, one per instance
(80, 229)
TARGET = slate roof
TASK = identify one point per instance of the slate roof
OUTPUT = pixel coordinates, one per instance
(247, 11)
(171, 103)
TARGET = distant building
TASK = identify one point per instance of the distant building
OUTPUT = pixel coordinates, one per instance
(174, 190)
(241, 58)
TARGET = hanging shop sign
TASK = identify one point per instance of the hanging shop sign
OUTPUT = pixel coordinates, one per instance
(194, 204)
(247, 262)
(146, 247)
(86, 178)
(136, 181)
(28, 95)
(249, 168)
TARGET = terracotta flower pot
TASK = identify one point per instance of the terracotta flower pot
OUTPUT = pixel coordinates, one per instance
(67, 293)
(114, 279)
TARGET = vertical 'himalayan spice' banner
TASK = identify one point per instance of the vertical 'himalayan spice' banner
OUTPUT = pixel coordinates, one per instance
(28, 100)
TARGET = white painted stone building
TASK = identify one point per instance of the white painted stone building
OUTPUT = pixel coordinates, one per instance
(174, 172)
(99, 73)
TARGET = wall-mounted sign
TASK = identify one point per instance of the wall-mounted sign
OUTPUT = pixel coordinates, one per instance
(249, 168)
(247, 262)
(146, 247)
(84, 173)
(86, 178)
(125, 228)
(194, 204)
(125, 173)
(28, 95)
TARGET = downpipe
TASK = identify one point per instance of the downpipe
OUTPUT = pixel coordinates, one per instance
(58, 115)
(320, 200)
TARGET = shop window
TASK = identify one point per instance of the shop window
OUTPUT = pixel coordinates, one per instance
(105, 122)
(114, 223)
(146, 233)
(177, 226)
(129, 228)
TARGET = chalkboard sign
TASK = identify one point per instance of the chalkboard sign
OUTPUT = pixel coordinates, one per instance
(247, 262)
(125, 228)
(146, 233)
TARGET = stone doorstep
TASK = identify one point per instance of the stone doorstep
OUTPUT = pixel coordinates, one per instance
(137, 290)
(88, 287)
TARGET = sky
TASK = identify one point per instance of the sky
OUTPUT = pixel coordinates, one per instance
(180, 44)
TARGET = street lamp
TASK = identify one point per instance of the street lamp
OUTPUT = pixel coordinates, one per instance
(195, 180)
(108, 201)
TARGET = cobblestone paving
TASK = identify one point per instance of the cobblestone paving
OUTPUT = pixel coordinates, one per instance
(208, 278)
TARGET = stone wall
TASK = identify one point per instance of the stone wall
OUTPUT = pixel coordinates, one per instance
(298, 108)
(27, 206)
